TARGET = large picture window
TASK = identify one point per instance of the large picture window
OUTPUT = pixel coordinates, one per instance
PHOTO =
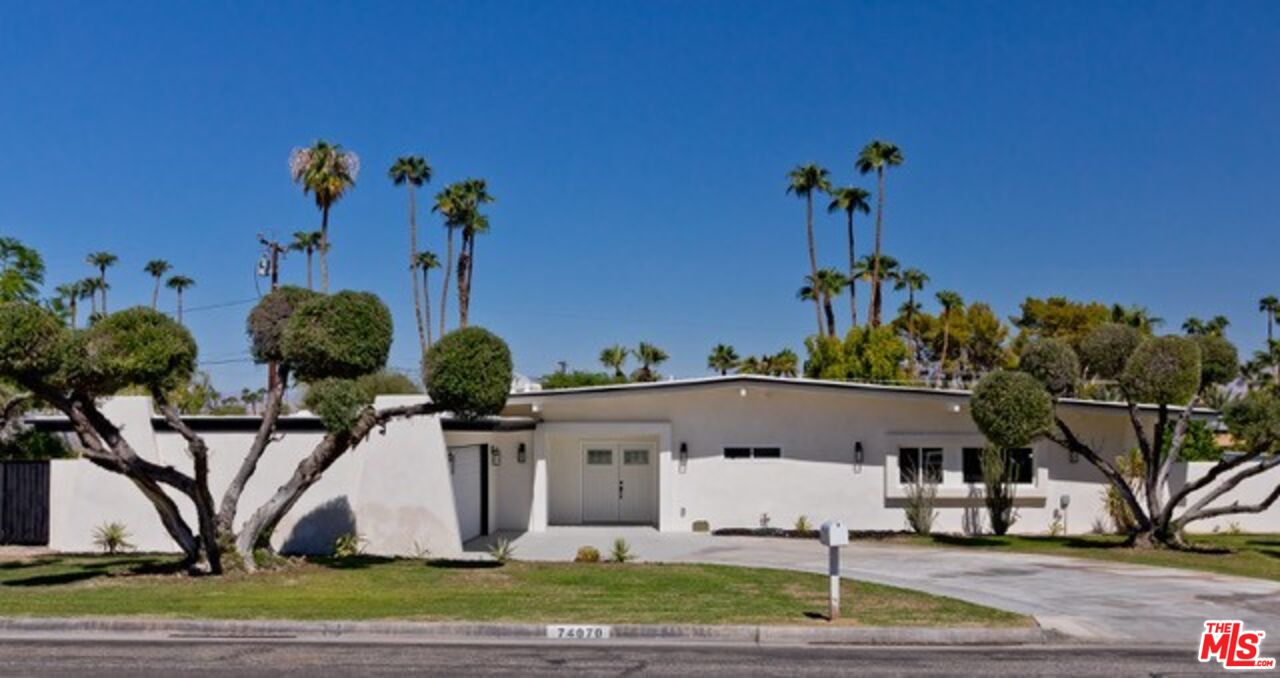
(1021, 458)
(753, 453)
(919, 463)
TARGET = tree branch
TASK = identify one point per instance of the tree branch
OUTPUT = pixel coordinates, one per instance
(266, 431)
(1198, 511)
(200, 494)
(1071, 442)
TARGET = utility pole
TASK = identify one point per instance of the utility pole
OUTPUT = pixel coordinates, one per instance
(271, 262)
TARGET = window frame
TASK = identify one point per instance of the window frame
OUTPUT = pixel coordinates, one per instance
(750, 452)
(918, 452)
(1030, 466)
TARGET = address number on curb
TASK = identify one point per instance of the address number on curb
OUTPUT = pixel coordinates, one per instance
(577, 632)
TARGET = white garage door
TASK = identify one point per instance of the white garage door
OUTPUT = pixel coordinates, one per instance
(466, 489)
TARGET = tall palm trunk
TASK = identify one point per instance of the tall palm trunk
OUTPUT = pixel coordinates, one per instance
(464, 293)
(853, 280)
(1271, 319)
(426, 309)
(310, 251)
(179, 307)
(102, 278)
(911, 327)
(813, 261)
(93, 301)
(324, 249)
(448, 268)
(413, 257)
(72, 304)
(155, 294)
(875, 266)
(471, 269)
(830, 313)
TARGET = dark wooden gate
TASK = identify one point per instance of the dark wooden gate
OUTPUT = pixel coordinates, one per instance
(24, 502)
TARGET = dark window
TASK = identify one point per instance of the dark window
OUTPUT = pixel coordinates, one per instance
(912, 459)
(767, 452)
(737, 453)
(749, 452)
(1023, 471)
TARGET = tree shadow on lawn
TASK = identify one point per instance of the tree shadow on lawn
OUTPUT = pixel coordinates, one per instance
(997, 542)
(96, 569)
(448, 564)
(360, 562)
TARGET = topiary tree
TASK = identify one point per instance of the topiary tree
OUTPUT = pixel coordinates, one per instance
(338, 344)
(1054, 364)
(1162, 380)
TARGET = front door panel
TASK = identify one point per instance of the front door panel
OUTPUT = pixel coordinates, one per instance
(636, 473)
(600, 484)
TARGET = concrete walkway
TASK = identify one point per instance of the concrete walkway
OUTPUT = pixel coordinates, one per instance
(1090, 600)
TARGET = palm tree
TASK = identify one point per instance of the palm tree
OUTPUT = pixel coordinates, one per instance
(850, 199)
(751, 365)
(804, 181)
(412, 172)
(877, 156)
(614, 357)
(722, 359)
(425, 261)
(650, 356)
(89, 288)
(179, 283)
(1217, 325)
(451, 204)
(865, 267)
(1135, 316)
(784, 363)
(1269, 305)
(476, 193)
(325, 171)
(156, 268)
(1193, 325)
(912, 280)
(1213, 327)
(102, 261)
(307, 242)
(829, 284)
(951, 303)
(71, 294)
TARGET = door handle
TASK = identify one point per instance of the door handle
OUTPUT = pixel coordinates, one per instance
(619, 489)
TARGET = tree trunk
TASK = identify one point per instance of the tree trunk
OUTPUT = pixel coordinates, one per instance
(413, 262)
(464, 258)
(471, 269)
(249, 465)
(310, 251)
(448, 271)
(155, 294)
(875, 265)
(102, 278)
(324, 249)
(179, 307)
(426, 307)
(853, 280)
(946, 338)
(309, 470)
(813, 261)
(831, 315)
(73, 312)
(911, 328)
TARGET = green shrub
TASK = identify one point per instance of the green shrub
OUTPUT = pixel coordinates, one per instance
(921, 498)
(1000, 488)
(803, 525)
(133, 347)
(337, 402)
(30, 444)
(579, 379)
(502, 551)
(1106, 349)
(621, 551)
(587, 554)
(348, 545)
(31, 340)
(1054, 364)
(1219, 360)
(344, 336)
(469, 372)
(386, 382)
(1011, 408)
(1254, 420)
(1163, 371)
(112, 538)
(268, 318)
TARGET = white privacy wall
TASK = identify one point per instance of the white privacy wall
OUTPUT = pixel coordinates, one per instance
(817, 476)
(393, 489)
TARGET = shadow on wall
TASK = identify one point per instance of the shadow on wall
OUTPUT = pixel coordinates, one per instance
(315, 532)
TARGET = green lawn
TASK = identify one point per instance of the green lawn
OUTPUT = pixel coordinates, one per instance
(370, 588)
(1245, 555)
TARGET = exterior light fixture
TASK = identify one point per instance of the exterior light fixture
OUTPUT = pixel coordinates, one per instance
(742, 392)
(684, 453)
(857, 456)
(955, 408)
(495, 455)
(537, 407)
(521, 455)
(450, 462)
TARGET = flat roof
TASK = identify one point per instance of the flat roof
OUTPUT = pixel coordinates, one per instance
(799, 382)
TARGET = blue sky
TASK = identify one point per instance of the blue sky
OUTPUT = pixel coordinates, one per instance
(1111, 151)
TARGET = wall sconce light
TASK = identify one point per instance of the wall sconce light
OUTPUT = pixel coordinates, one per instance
(495, 455)
(857, 456)
(742, 392)
(536, 407)
(955, 408)
(521, 455)
(684, 453)
(451, 462)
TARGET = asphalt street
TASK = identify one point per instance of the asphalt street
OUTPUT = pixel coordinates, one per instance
(133, 658)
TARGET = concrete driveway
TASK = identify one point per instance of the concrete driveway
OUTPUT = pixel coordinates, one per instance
(1089, 600)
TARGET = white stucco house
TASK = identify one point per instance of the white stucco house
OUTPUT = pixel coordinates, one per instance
(713, 453)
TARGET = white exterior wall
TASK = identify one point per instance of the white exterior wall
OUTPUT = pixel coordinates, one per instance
(817, 429)
(393, 489)
(511, 482)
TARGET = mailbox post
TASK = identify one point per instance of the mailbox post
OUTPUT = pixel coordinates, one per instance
(833, 535)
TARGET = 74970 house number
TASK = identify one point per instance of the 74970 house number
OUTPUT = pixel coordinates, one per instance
(577, 632)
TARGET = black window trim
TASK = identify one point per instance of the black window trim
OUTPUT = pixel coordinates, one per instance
(752, 452)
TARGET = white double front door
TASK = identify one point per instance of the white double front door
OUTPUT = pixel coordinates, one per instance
(617, 482)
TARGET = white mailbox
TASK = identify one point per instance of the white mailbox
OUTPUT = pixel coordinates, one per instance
(834, 533)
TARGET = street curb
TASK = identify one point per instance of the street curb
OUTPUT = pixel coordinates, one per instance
(202, 629)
